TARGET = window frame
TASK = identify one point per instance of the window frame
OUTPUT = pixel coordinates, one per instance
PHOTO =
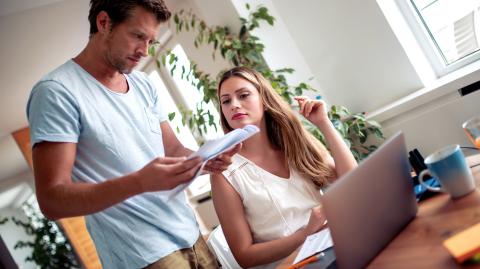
(427, 43)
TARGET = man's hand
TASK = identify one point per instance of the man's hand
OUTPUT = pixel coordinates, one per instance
(222, 161)
(166, 173)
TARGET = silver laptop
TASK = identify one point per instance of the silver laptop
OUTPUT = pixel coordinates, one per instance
(370, 205)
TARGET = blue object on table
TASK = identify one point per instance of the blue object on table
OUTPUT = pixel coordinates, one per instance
(318, 97)
(420, 190)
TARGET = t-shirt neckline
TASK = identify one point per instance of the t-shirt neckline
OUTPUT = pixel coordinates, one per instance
(100, 84)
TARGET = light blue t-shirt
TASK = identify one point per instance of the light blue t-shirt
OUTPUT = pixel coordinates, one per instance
(116, 134)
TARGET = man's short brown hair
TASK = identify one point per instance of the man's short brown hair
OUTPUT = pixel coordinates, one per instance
(120, 10)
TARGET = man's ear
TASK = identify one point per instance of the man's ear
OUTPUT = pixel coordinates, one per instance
(103, 22)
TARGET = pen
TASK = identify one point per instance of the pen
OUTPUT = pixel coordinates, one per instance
(312, 259)
(318, 97)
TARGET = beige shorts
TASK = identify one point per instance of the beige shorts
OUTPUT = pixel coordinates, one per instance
(198, 257)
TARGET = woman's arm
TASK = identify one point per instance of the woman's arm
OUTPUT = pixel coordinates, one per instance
(342, 156)
(230, 211)
(315, 112)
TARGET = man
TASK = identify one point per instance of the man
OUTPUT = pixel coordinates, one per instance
(99, 138)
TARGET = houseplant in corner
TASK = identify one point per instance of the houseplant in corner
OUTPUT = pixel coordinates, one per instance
(50, 248)
(245, 49)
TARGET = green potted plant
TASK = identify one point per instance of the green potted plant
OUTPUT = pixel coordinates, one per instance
(50, 248)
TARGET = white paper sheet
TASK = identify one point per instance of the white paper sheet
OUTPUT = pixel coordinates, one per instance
(313, 244)
(213, 148)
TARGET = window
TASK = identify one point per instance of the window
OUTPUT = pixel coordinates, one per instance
(447, 31)
(188, 96)
(182, 132)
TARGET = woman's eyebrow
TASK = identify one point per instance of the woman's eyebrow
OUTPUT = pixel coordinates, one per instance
(242, 88)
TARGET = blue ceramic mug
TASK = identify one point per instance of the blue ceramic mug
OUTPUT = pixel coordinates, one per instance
(449, 166)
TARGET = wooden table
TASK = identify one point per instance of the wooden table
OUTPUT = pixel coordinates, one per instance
(419, 245)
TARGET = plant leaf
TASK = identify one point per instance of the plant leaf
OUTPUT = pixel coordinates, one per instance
(171, 116)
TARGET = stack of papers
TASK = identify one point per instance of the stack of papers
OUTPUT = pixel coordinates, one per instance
(213, 148)
(314, 243)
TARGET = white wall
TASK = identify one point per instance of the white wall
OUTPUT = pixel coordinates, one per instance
(12, 159)
(281, 49)
(437, 109)
(16, 179)
(11, 234)
(436, 124)
(351, 51)
(34, 42)
(203, 55)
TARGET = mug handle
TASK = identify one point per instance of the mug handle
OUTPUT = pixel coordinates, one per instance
(420, 179)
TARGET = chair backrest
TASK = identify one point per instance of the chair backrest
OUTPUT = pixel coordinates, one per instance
(218, 244)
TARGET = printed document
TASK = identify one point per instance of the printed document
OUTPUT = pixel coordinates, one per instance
(213, 148)
(315, 243)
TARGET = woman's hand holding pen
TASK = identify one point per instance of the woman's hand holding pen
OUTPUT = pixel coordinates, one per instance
(313, 110)
(316, 112)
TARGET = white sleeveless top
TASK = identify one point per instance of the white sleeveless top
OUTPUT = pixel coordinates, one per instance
(275, 207)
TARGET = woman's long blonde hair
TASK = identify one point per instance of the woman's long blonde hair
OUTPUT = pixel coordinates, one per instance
(285, 131)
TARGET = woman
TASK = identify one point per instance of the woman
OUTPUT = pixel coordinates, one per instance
(268, 200)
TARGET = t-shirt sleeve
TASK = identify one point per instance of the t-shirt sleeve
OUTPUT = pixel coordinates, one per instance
(53, 114)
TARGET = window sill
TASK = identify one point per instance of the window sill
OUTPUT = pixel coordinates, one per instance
(448, 84)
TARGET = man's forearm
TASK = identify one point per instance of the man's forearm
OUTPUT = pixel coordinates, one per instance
(78, 199)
